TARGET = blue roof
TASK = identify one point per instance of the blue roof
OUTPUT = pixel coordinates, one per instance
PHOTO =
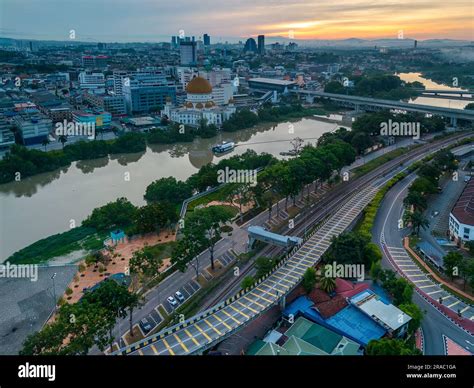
(349, 322)
(356, 325)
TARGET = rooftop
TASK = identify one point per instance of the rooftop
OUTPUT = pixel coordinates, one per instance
(463, 210)
(385, 314)
(279, 82)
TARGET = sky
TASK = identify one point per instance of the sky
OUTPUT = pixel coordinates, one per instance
(157, 20)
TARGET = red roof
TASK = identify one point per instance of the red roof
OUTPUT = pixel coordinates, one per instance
(318, 296)
(463, 210)
(333, 306)
(348, 289)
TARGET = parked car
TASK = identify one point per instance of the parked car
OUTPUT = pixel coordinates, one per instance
(179, 296)
(145, 325)
(467, 178)
(172, 301)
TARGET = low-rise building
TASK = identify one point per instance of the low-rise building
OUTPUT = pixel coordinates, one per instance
(278, 85)
(461, 218)
(33, 128)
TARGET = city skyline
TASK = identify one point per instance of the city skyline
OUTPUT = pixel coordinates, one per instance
(148, 21)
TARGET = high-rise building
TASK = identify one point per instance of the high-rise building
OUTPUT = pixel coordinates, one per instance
(91, 61)
(147, 89)
(261, 44)
(188, 52)
(93, 82)
(250, 45)
(174, 42)
(207, 40)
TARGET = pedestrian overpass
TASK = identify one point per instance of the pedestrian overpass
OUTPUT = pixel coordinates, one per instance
(261, 234)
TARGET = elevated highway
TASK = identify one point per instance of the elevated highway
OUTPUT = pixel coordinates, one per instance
(203, 331)
(375, 104)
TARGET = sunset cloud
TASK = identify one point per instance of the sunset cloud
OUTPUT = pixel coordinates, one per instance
(152, 20)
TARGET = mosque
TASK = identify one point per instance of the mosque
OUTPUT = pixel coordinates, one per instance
(199, 105)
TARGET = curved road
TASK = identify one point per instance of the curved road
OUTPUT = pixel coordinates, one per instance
(435, 324)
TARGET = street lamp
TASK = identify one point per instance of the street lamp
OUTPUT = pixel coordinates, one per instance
(54, 290)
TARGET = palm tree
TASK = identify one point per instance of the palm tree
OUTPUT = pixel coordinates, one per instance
(327, 284)
(416, 200)
(418, 221)
(45, 142)
(62, 139)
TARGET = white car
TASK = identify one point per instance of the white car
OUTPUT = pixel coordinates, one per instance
(172, 301)
(179, 296)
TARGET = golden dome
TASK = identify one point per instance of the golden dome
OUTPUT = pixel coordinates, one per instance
(199, 105)
(210, 104)
(199, 85)
(189, 105)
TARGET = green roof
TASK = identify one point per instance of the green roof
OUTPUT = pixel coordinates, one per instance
(255, 347)
(271, 349)
(314, 334)
(298, 347)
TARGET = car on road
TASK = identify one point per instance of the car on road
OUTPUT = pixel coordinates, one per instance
(467, 178)
(179, 296)
(172, 301)
(145, 325)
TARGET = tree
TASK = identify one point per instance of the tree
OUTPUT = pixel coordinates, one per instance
(247, 282)
(451, 263)
(169, 190)
(145, 262)
(116, 214)
(399, 288)
(62, 139)
(390, 347)
(375, 271)
(45, 142)
(186, 252)
(327, 284)
(155, 216)
(263, 265)
(115, 299)
(415, 314)
(418, 221)
(309, 279)
(203, 227)
(351, 248)
(470, 247)
(415, 199)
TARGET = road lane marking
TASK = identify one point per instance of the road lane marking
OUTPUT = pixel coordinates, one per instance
(202, 332)
(465, 308)
(434, 292)
(252, 301)
(248, 307)
(154, 349)
(168, 347)
(238, 311)
(265, 291)
(231, 317)
(185, 348)
(261, 296)
(221, 321)
(454, 304)
(212, 326)
(192, 338)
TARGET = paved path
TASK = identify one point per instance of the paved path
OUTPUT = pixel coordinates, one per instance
(386, 234)
(202, 332)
